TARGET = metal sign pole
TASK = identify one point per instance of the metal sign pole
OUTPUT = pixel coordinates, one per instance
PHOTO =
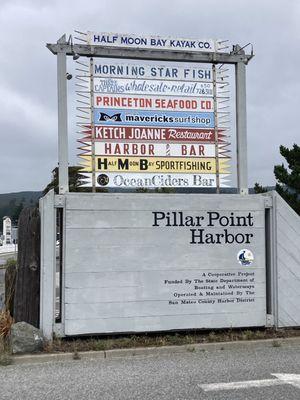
(92, 125)
(216, 128)
(241, 125)
(63, 180)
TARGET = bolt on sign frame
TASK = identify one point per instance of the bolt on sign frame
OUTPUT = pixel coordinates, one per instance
(237, 57)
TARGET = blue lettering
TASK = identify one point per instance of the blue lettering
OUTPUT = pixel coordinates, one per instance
(204, 45)
(133, 41)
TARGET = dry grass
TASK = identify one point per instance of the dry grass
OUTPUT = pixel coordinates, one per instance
(6, 322)
(10, 283)
(158, 340)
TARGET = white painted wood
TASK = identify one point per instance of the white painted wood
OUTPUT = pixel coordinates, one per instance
(140, 278)
(136, 293)
(47, 294)
(120, 258)
(148, 308)
(118, 263)
(288, 264)
(151, 202)
(128, 236)
(100, 219)
(159, 323)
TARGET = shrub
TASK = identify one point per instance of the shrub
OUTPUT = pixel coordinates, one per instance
(6, 322)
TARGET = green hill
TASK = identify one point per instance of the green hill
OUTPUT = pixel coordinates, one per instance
(11, 204)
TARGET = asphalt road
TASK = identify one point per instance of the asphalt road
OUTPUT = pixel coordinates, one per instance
(173, 376)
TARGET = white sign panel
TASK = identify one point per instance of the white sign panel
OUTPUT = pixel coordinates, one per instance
(148, 180)
(152, 42)
(153, 87)
(154, 102)
(152, 149)
(137, 263)
(191, 72)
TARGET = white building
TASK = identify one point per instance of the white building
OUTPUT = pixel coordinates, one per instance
(7, 230)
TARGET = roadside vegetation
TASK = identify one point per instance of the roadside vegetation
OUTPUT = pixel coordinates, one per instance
(6, 322)
(6, 319)
(287, 177)
(158, 340)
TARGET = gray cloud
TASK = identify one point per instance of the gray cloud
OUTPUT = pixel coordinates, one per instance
(28, 72)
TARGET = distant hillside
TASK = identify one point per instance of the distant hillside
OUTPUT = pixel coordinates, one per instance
(11, 204)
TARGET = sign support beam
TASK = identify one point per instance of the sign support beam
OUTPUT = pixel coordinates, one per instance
(63, 180)
(241, 126)
(85, 50)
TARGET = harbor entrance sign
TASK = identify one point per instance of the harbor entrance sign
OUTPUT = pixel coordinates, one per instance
(153, 114)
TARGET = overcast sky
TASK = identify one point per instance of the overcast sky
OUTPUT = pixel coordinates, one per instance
(28, 105)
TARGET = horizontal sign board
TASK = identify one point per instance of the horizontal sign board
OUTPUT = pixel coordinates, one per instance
(153, 118)
(158, 87)
(132, 133)
(154, 87)
(115, 101)
(148, 180)
(152, 149)
(151, 42)
(155, 164)
(112, 69)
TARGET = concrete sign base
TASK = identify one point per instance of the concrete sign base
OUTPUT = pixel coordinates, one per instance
(158, 262)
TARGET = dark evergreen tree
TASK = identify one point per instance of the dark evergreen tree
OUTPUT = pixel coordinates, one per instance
(288, 179)
(74, 182)
(16, 212)
(259, 188)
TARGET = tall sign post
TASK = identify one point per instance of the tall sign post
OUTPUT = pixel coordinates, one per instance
(241, 124)
(62, 116)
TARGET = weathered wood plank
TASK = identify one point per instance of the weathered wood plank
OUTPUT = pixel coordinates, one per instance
(10, 286)
(90, 258)
(48, 254)
(27, 294)
(159, 323)
(151, 308)
(145, 293)
(118, 279)
(288, 264)
(168, 202)
(155, 236)
(112, 219)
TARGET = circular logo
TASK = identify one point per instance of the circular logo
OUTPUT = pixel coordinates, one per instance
(245, 257)
(103, 180)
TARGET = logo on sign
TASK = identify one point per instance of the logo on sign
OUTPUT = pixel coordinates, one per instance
(245, 257)
(105, 117)
(103, 180)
